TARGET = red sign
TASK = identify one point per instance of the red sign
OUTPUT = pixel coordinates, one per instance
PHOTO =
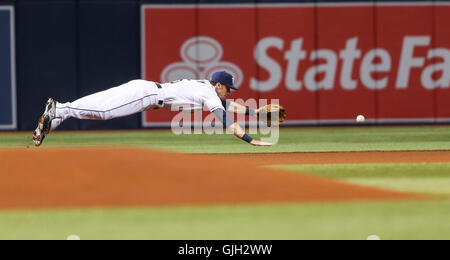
(326, 63)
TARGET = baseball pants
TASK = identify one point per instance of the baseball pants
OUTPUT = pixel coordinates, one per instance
(127, 99)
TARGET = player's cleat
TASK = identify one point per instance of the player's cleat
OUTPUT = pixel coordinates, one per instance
(38, 135)
(45, 122)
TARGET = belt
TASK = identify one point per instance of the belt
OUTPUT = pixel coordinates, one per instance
(160, 102)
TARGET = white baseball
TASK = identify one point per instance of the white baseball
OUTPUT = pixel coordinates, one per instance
(373, 237)
(360, 119)
(73, 237)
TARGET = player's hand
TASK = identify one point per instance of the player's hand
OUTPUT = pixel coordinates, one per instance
(260, 143)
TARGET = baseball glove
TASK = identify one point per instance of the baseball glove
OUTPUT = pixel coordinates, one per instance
(272, 114)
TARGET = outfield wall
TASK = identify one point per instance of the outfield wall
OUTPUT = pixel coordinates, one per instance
(8, 119)
(327, 62)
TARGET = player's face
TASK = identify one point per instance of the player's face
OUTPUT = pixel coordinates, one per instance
(222, 91)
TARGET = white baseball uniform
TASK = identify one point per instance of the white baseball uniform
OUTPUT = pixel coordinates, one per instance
(137, 96)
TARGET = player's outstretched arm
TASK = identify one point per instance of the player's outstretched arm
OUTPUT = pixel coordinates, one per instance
(272, 114)
(237, 109)
(236, 129)
(240, 133)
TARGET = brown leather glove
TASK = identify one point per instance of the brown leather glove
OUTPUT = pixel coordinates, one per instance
(272, 114)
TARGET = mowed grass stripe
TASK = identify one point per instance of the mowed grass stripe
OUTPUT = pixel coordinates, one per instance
(435, 185)
(291, 140)
(431, 178)
(374, 170)
(391, 220)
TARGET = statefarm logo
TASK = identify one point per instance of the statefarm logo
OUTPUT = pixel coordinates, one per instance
(435, 75)
(201, 58)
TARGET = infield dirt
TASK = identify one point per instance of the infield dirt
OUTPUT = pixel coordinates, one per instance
(104, 177)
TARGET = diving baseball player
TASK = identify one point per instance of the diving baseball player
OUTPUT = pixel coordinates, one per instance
(140, 95)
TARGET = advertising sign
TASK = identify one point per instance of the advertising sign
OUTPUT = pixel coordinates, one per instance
(326, 63)
(7, 69)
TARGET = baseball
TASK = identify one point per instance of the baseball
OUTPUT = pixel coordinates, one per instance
(373, 237)
(73, 237)
(360, 119)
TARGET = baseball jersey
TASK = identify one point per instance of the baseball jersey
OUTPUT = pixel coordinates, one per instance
(191, 95)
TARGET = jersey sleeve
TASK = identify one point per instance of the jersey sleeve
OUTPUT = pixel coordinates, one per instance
(212, 102)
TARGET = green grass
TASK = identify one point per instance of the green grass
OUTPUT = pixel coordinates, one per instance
(389, 220)
(394, 220)
(291, 140)
(433, 178)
